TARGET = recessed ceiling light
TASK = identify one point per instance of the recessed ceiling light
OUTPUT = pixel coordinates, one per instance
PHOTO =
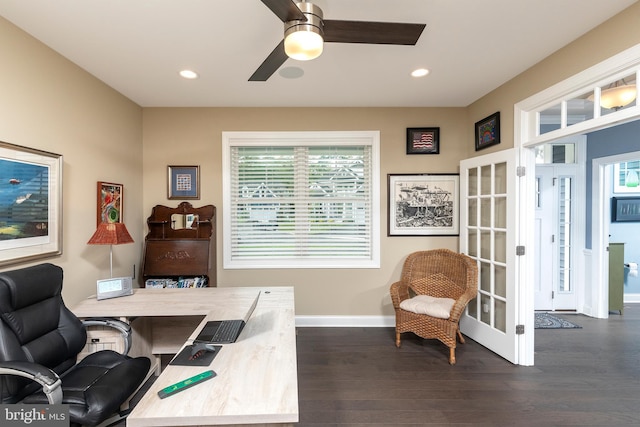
(188, 74)
(291, 72)
(420, 72)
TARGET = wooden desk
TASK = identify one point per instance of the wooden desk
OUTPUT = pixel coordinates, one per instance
(256, 380)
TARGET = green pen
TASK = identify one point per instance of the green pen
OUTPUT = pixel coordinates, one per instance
(185, 384)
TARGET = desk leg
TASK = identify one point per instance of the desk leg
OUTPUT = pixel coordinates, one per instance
(142, 341)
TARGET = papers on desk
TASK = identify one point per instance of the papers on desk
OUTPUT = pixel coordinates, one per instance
(186, 282)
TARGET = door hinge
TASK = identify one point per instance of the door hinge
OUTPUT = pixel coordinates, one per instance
(521, 171)
(553, 294)
(519, 329)
(519, 250)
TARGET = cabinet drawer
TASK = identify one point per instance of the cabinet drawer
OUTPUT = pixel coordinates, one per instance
(101, 338)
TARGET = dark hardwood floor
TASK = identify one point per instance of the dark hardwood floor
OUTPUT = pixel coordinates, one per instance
(356, 377)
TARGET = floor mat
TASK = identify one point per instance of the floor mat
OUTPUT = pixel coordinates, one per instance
(550, 321)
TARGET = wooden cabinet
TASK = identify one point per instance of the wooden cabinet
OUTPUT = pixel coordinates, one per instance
(616, 276)
(180, 244)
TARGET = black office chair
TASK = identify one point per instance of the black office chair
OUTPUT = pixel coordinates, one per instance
(40, 339)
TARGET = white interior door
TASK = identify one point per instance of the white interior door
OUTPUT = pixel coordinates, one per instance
(555, 272)
(488, 227)
(544, 238)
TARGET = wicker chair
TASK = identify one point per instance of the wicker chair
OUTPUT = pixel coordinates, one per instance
(439, 273)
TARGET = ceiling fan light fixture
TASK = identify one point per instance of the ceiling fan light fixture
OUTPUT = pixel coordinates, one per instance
(304, 40)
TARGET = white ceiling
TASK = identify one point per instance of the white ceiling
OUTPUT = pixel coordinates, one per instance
(138, 46)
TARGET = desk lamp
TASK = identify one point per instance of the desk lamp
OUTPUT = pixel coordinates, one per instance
(110, 233)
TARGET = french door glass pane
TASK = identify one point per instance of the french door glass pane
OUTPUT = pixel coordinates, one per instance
(485, 276)
(500, 242)
(500, 278)
(473, 212)
(473, 182)
(500, 313)
(500, 212)
(485, 183)
(473, 242)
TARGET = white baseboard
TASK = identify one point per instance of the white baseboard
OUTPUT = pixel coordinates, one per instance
(346, 321)
(631, 298)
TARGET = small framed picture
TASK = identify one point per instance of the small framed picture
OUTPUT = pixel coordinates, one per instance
(110, 202)
(184, 182)
(423, 140)
(488, 131)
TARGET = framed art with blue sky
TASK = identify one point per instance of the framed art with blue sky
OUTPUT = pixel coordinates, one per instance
(30, 204)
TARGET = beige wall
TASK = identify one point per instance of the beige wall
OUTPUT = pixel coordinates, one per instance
(47, 103)
(193, 136)
(613, 36)
(190, 136)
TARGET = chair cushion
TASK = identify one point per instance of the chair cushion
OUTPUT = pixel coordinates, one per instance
(431, 306)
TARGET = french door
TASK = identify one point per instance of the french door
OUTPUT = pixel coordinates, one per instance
(488, 227)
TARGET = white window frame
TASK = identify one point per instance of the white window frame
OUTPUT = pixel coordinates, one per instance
(319, 138)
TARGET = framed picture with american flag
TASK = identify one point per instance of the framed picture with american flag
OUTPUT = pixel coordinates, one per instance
(423, 140)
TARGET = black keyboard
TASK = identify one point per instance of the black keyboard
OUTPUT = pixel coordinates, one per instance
(227, 331)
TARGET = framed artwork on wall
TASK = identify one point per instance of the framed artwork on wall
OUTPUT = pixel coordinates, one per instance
(110, 202)
(423, 204)
(30, 204)
(625, 209)
(488, 131)
(423, 140)
(184, 182)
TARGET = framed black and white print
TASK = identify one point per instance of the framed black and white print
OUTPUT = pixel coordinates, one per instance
(488, 131)
(423, 204)
(423, 140)
(184, 182)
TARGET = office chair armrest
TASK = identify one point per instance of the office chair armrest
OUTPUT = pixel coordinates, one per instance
(123, 327)
(49, 380)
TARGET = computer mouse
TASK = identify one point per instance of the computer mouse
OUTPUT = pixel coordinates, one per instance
(201, 347)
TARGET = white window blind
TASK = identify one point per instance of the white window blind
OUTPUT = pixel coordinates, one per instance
(305, 199)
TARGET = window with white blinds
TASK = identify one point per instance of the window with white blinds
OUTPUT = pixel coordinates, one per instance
(301, 199)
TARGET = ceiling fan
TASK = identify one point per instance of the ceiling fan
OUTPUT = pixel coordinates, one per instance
(305, 20)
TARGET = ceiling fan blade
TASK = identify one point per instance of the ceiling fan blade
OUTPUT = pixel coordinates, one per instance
(336, 31)
(286, 10)
(275, 59)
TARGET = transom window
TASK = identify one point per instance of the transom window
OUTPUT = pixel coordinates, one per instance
(301, 199)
